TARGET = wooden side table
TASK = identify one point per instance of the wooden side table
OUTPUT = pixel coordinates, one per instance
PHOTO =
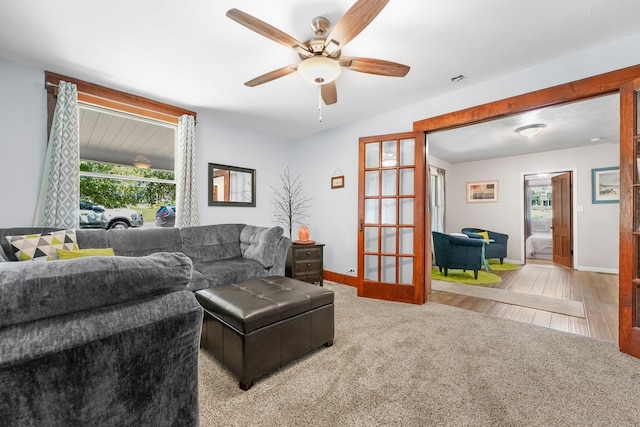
(304, 262)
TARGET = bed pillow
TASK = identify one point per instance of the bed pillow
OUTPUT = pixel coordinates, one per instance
(80, 253)
(42, 247)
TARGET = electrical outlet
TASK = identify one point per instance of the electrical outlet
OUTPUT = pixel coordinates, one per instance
(351, 271)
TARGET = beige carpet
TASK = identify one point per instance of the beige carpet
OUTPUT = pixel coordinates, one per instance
(539, 302)
(395, 364)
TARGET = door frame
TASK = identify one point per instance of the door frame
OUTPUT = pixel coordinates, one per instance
(602, 84)
(574, 212)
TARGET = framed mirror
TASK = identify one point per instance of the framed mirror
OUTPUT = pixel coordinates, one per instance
(231, 186)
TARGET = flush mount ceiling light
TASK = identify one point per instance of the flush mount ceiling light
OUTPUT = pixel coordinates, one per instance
(141, 162)
(319, 70)
(531, 130)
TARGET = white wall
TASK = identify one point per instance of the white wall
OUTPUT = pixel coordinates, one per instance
(595, 225)
(335, 213)
(220, 142)
(23, 141)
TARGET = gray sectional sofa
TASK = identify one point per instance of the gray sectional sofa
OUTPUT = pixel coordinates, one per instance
(114, 341)
(221, 253)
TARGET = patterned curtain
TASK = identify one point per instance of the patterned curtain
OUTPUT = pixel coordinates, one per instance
(59, 197)
(186, 195)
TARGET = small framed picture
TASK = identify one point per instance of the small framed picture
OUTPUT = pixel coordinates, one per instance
(337, 181)
(482, 192)
(605, 185)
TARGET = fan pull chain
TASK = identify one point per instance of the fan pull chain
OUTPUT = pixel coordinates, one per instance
(319, 103)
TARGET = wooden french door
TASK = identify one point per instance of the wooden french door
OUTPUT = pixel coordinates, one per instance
(562, 219)
(629, 269)
(391, 218)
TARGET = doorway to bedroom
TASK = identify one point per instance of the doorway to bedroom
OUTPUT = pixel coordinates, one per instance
(548, 219)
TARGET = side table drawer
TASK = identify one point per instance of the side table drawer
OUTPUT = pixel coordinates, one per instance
(310, 278)
(308, 266)
(307, 253)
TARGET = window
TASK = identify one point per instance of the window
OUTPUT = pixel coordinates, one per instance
(437, 198)
(127, 151)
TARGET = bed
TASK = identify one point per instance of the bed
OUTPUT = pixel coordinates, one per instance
(540, 246)
(540, 243)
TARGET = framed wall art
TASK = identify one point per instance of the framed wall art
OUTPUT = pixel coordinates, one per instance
(337, 181)
(482, 192)
(605, 185)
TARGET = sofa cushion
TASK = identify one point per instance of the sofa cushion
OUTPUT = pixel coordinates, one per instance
(259, 243)
(92, 238)
(31, 291)
(42, 246)
(207, 243)
(232, 270)
(144, 241)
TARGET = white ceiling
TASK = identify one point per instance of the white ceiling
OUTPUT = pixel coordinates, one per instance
(594, 121)
(190, 54)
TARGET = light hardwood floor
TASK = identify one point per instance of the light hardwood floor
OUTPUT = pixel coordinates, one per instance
(597, 291)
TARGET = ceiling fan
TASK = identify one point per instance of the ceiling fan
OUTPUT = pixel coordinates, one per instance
(321, 60)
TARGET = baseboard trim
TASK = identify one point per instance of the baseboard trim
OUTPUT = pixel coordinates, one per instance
(344, 278)
(598, 270)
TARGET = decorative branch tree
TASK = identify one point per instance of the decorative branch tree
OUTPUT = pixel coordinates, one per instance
(289, 204)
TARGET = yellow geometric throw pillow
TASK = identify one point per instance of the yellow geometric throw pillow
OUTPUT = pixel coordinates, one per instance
(44, 246)
(80, 253)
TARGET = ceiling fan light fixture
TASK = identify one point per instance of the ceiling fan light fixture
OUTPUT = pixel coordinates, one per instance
(319, 70)
(531, 130)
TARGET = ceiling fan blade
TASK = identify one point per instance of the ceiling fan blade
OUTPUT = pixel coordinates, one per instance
(272, 75)
(329, 93)
(267, 30)
(375, 66)
(354, 21)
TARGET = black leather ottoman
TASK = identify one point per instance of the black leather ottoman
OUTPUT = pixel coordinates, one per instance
(259, 325)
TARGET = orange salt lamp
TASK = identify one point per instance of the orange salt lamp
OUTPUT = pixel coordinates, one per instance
(303, 233)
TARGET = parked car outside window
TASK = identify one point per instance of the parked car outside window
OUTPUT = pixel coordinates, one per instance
(166, 216)
(116, 218)
(92, 219)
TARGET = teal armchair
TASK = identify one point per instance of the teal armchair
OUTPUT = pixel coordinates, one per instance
(460, 253)
(495, 249)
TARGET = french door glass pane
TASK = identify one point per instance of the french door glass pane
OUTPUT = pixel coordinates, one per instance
(371, 183)
(371, 267)
(389, 154)
(371, 239)
(389, 182)
(407, 150)
(406, 182)
(371, 211)
(372, 155)
(406, 240)
(388, 211)
(405, 272)
(389, 240)
(406, 211)
(388, 269)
